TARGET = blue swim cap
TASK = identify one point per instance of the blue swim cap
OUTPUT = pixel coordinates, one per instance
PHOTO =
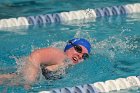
(78, 41)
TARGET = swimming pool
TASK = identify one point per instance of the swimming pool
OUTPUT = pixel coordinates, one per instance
(115, 40)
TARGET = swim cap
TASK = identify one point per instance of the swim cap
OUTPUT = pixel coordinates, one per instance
(78, 41)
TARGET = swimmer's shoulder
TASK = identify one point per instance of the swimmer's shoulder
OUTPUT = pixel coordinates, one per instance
(48, 49)
(50, 52)
(53, 49)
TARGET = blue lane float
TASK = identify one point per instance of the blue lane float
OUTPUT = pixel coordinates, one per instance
(72, 15)
(42, 19)
(99, 87)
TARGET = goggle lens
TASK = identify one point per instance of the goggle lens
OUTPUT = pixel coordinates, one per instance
(79, 50)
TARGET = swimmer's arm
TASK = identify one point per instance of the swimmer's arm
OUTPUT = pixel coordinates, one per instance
(30, 73)
(7, 76)
(29, 76)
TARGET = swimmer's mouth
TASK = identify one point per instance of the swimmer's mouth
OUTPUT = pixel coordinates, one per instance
(75, 59)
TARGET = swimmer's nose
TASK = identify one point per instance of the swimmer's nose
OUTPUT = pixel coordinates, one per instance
(80, 56)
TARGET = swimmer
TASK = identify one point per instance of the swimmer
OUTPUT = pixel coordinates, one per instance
(49, 60)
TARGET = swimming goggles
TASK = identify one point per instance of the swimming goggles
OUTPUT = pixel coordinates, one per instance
(79, 50)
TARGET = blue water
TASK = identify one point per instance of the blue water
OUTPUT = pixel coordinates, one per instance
(115, 42)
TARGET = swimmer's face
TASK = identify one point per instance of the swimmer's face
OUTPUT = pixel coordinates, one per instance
(77, 55)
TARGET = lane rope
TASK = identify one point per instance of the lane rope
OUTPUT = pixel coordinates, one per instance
(99, 87)
(71, 15)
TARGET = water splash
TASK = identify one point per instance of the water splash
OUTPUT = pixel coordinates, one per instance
(86, 35)
(20, 63)
(115, 45)
(60, 44)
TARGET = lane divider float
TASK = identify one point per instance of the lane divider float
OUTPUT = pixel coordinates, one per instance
(72, 15)
(101, 87)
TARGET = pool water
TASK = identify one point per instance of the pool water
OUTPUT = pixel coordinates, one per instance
(115, 43)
